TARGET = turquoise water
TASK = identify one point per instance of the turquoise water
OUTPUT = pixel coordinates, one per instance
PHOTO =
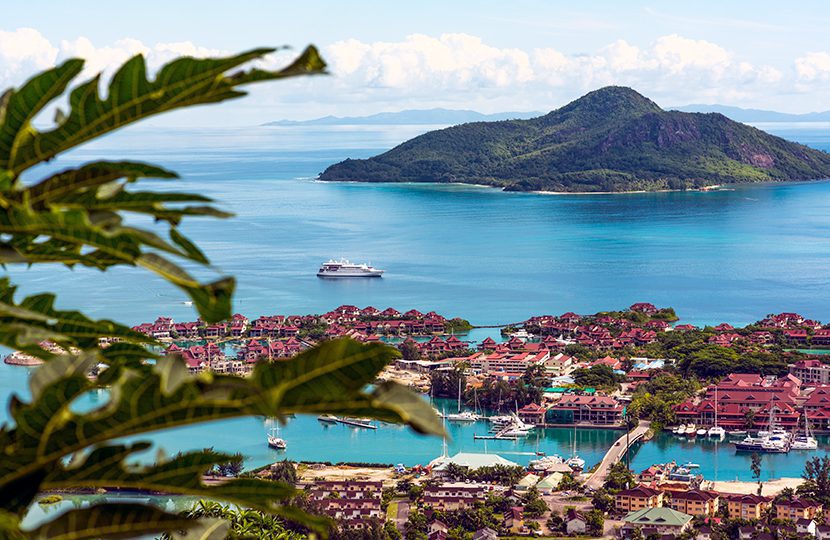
(310, 440)
(489, 256)
(479, 253)
(718, 460)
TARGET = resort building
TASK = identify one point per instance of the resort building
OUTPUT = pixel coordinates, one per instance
(637, 498)
(796, 509)
(655, 521)
(594, 410)
(575, 522)
(533, 414)
(455, 496)
(470, 461)
(811, 372)
(740, 395)
(355, 504)
(694, 502)
(745, 506)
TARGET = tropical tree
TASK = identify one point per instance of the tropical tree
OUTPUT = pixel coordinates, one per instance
(755, 468)
(79, 216)
(619, 477)
(816, 477)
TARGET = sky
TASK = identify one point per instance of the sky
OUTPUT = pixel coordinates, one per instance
(483, 55)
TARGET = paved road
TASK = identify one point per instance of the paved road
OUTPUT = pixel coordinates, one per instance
(614, 454)
(403, 515)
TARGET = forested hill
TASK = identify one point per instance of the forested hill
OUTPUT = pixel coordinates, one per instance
(612, 139)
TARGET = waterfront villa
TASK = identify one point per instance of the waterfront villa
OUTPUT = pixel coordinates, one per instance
(745, 506)
(533, 413)
(742, 394)
(655, 521)
(638, 498)
(594, 410)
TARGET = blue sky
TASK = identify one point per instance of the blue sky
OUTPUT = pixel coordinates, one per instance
(488, 56)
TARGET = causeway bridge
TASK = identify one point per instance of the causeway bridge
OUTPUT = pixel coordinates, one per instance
(616, 453)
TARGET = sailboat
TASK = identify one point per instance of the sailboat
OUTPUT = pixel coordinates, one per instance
(274, 441)
(716, 430)
(575, 462)
(806, 441)
(459, 416)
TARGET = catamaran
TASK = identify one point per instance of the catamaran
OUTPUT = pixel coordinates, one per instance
(575, 462)
(461, 416)
(716, 430)
(806, 441)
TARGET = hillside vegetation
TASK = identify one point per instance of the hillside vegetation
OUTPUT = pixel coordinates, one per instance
(612, 139)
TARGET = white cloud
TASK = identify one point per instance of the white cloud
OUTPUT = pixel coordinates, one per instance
(24, 51)
(462, 70)
(813, 66)
(673, 67)
(450, 61)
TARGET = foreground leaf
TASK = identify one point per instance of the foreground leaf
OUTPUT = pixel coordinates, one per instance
(330, 378)
(131, 96)
(111, 520)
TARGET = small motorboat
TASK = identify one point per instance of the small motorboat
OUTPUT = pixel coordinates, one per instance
(327, 419)
(702, 432)
(690, 465)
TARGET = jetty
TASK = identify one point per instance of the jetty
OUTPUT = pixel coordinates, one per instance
(616, 453)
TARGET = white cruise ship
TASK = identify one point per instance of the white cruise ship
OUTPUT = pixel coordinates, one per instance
(346, 269)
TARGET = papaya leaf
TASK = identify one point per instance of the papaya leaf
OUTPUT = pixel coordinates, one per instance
(73, 181)
(104, 467)
(150, 398)
(24, 324)
(111, 520)
(130, 97)
(21, 106)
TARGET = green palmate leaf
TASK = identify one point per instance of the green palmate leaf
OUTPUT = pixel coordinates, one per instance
(131, 96)
(24, 324)
(105, 467)
(22, 105)
(111, 520)
(73, 182)
(72, 229)
(150, 398)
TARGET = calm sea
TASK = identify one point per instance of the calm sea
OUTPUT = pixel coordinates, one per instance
(468, 251)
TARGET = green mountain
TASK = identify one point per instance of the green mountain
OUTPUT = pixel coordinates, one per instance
(612, 139)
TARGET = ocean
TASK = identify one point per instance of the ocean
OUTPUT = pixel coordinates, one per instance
(469, 251)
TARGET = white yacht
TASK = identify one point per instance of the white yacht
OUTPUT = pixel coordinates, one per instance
(276, 442)
(345, 269)
(464, 416)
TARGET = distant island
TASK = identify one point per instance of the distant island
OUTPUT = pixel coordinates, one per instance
(409, 117)
(740, 114)
(610, 140)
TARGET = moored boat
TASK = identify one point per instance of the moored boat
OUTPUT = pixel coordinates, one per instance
(276, 442)
(328, 419)
(357, 422)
